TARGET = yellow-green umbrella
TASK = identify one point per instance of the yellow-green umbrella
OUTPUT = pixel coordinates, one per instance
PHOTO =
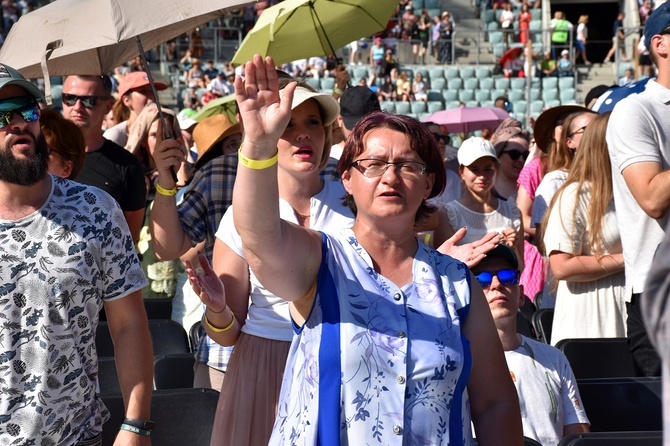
(225, 104)
(298, 29)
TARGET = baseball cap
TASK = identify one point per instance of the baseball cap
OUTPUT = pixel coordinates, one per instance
(355, 103)
(474, 148)
(137, 79)
(504, 252)
(328, 105)
(565, 52)
(9, 76)
(185, 118)
(657, 21)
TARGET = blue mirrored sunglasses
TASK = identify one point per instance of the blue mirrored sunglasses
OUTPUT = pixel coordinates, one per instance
(27, 107)
(505, 277)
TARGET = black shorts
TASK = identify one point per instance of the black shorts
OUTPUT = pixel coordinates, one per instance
(644, 59)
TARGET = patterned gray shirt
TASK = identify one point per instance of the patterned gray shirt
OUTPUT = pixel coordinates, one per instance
(57, 267)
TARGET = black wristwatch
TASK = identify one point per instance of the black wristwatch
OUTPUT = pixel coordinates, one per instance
(140, 424)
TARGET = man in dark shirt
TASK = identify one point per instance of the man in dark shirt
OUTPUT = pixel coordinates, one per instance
(86, 101)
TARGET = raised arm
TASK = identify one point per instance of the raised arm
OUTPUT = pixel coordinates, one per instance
(284, 257)
(169, 238)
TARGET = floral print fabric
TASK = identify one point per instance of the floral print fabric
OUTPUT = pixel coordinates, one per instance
(58, 265)
(378, 364)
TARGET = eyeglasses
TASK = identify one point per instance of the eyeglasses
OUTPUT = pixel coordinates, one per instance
(27, 107)
(505, 277)
(578, 131)
(88, 101)
(516, 154)
(444, 138)
(372, 168)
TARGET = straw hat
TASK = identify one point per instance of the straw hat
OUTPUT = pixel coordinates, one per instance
(210, 131)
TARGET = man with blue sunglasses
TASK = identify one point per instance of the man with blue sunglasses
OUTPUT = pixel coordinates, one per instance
(66, 253)
(549, 398)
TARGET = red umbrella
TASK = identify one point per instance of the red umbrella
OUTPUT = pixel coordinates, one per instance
(468, 119)
(511, 53)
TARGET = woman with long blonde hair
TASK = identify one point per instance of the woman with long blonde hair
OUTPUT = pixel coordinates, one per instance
(582, 241)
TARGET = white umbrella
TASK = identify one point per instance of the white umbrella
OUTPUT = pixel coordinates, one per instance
(96, 36)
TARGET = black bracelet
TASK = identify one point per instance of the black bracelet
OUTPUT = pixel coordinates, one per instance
(135, 430)
(140, 424)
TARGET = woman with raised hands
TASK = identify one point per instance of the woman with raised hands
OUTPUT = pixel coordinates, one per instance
(389, 333)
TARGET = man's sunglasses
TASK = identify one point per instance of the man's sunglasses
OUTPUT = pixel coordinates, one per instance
(505, 277)
(444, 138)
(27, 107)
(516, 154)
(87, 101)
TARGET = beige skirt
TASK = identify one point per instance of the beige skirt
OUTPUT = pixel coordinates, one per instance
(250, 393)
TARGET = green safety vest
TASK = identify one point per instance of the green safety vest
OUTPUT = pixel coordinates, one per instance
(560, 34)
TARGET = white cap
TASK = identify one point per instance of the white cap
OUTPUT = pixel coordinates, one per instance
(474, 148)
(329, 106)
(564, 52)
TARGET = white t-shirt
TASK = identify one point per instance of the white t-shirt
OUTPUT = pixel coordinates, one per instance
(479, 224)
(547, 388)
(638, 131)
(544, 193)
(268, 315)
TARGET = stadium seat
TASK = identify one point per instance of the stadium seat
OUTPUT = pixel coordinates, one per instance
(518, 83)
(419, 107)
(622, 404)
(434, 95)
(455, 84)
(313, 82)
(328, 83)
(453, 104)
(543, 319)
(471, 83)
(520, 107)
(554, 103)
(487, 104)
(403, 107)
(388, 106)
(644, 438)
(568, 96)
(436, 73)
(438, 83)
(174, 371)
(516, 95)
(534, 94)
(550, 82)
(449, 95)
(598, 357)
(502, 83)
(182, 416)
(167, 336)
(472, 103)
(482, 95)
(536, 107)
(435, 106)
(451, 73)
(497, 92)
(535, 24)
(495, 38)
(487, 83)
(566, 82)
(361, 72)
(483, 73)
(423, 70)
(194, 334)
(158, 308)
(466, 95)
(467, 72)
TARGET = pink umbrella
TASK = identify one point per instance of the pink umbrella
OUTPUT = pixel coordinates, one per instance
(468, 119)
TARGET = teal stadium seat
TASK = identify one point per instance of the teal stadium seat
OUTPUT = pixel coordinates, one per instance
(534, 94)
(496, 93)
(467, 72)
(536, 107)
(451, 73)
(436, 73)
(419, 107)
(471, 83)
(466, 95)
(435, 106)
(487, 83)
(388, 106)
(438, 83)
(434, 95)
(550, 82)
(566, 82)
(518, 83)
(516, 95)
(449, 95)
(403, 107)
(453, 104)
(483, 73)
(502, 83)
(482, 95)
(549, 94)
(554, 103)
(520, 107)
(472, 104)
(455, 84)
(328, 83)
(568, 96)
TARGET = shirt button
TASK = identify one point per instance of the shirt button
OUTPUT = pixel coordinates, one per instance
(397, 296)
(400, 379)
(401, 334)
(397, 430)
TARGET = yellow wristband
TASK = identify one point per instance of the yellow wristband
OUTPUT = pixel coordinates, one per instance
(255, 164)
(337, 91)
(166, 192)
(216, 329)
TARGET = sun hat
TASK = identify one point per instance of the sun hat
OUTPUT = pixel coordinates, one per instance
(355, 103)
(474, 148)
(545, 123)
(9, 76)
(657, 21)
(137, 79)
(210, 131)
(329, 106)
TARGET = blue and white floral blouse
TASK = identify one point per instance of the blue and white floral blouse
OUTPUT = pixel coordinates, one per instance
(377, 364)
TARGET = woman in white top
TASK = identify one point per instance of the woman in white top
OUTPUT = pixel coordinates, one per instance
(584, 247)
(479, 209)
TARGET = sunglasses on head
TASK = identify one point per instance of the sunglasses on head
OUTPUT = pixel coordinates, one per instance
(516, 154)
(505, 277)
(27, 107)
(88, 101)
